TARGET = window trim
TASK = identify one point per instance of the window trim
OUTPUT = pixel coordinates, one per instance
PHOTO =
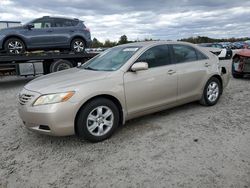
(169, 58)
(43, 20)
(174, 61)
(64, 20)
(206, 57)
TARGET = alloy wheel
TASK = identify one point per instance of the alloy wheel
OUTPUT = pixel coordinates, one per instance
(78, 46)
(212, 91)
(100, 121)
(15, 47)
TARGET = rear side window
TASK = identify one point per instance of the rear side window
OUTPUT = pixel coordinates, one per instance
(156, 56)
(200, 55)
(183, 53)
(74, 22)
(59, 22)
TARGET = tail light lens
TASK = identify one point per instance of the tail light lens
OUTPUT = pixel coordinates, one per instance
(86, 29)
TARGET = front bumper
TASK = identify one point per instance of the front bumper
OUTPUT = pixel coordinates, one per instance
(54, 119)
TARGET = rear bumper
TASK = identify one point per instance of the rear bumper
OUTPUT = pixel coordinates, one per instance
(240, 73)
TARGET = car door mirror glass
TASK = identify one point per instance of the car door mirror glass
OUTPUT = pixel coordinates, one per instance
(139, 66)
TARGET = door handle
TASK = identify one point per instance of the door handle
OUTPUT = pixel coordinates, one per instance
(207, 64)
(170, 72)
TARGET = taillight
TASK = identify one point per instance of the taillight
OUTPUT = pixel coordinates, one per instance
(86, 29)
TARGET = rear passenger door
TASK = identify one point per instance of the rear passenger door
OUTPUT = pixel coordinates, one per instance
(192, 67)
(155, 87)
(63, 30)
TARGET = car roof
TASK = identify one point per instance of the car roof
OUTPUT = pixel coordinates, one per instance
(151, 43)
(76, 19)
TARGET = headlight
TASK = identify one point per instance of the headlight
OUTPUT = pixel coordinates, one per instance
(53, 98)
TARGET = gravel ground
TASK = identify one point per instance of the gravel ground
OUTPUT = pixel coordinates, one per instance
(188, 146)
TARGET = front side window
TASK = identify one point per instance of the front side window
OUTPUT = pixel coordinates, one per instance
(156, 56)
(183, 53)
(42, 23)
(112, 59)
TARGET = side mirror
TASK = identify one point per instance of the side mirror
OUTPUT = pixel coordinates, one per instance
(139, 66)
(29, 26)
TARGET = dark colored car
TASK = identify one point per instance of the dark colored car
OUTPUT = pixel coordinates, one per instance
(240, 45)
(46, 33)
(241, 63)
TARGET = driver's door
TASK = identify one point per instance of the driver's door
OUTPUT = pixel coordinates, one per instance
(42, 34)
(152, 88)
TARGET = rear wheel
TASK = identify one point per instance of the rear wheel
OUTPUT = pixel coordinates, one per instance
(14, 46)
(97, 120)
(211, 92)
(77, 45)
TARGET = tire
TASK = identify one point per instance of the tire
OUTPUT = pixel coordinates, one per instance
(211, 92)
(14, 46)
(90, 122)
(78, 45)
(60, 65)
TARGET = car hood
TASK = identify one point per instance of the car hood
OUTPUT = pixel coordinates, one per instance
(244, 53)
(64, 80)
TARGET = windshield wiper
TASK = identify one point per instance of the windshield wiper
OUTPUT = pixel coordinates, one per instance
(89, 68)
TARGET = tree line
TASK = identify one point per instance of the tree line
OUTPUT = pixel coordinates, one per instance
(199, 39)
(203, 39)
(107, 44)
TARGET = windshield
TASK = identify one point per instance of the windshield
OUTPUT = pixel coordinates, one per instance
(112, 59)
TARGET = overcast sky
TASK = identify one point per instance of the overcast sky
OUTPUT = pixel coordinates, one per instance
(139, 19)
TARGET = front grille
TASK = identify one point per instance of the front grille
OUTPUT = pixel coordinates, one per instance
(25, 98)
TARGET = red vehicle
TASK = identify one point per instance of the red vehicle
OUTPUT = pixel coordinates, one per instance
(241, 63)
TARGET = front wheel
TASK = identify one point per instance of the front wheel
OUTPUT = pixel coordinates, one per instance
(97, 120)
(77, 45)
(14, 46)
(211, 92)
